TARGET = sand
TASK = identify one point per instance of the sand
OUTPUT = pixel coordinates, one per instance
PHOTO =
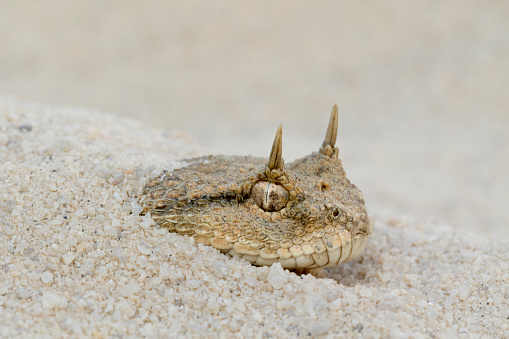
(77, 259)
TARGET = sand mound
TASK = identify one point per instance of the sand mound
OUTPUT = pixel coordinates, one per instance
(77, 259)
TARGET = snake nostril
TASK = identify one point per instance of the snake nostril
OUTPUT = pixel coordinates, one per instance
(336, 212)
(324, 185)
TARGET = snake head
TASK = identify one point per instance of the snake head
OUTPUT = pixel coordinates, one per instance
(304, 214)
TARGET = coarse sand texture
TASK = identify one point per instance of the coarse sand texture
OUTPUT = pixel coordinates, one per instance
(77, 259)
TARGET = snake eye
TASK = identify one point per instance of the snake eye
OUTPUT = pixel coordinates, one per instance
(269, 196)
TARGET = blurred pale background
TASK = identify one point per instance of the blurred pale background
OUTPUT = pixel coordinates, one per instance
(422, 86)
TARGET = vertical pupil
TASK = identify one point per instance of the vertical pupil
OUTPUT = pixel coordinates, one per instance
(269, 196)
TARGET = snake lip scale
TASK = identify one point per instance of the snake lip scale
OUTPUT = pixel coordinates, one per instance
(304, 214)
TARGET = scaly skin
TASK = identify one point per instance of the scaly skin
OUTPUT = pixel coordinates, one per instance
(303, 215)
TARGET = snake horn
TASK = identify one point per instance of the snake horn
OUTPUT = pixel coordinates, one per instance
(332, 130)
(329, 143)
(276, 158)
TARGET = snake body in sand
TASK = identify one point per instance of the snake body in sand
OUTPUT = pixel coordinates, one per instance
(304, 214)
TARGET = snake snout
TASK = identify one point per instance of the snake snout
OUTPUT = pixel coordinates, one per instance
(364, 227)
